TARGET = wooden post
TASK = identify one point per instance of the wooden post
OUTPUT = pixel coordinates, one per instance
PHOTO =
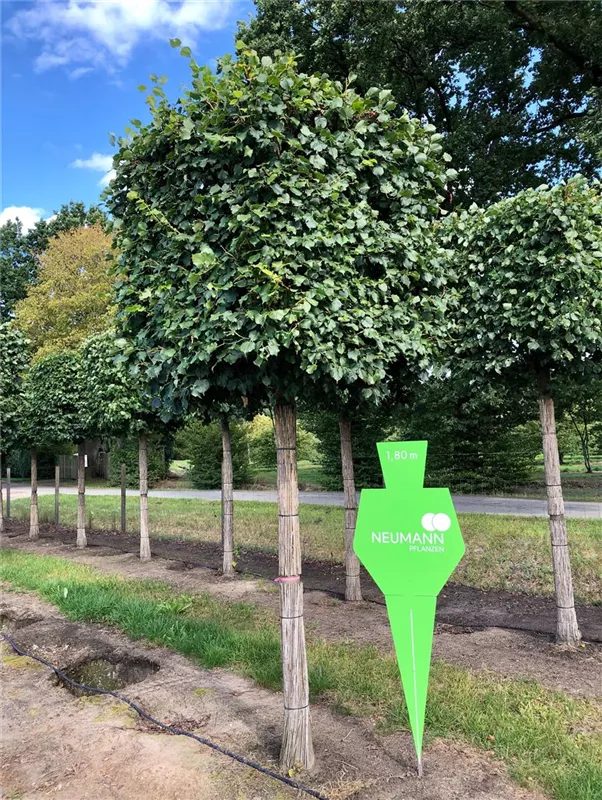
(227, 500)
(8, 493)
(57, 488)
(123, 500)
(567, 628)
(353, 589)
(145, 551)
(34, 525)
(81, 495)
(297, 747)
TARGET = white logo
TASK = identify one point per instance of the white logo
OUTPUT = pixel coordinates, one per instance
(436, 522)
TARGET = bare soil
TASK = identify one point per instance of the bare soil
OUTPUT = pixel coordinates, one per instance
(96, 748)
(508, 652)
(457, 604)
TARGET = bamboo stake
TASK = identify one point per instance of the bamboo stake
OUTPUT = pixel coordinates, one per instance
(57, 487)
(227, 500)
(353, 589)
(123, 500)
(145, 550)
(8, 493)
(34, 525)
(567, 628)
(81, 495)
(1, 498)
(297, 747)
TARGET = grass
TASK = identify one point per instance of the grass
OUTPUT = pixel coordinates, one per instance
(503, 552)
(545, 738)
(311, 477)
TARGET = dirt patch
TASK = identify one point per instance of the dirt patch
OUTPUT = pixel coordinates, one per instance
(576, 671)
(94, 748)
(107, 673)
(457, 605)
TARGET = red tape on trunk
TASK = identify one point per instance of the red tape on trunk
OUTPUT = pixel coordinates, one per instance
(288, 579)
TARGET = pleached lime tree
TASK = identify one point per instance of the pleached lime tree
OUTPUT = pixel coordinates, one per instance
(14, 356)
(267, 225)
(52, 414)
(115, 405)
(531, 269)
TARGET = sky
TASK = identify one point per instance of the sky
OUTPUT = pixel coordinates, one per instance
(70, 72)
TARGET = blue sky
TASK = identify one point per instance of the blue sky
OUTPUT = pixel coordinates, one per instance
(70, 72)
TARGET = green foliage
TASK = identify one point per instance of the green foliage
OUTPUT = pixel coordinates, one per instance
(113, 398)
(178, 605)
(125, 451)
(531, 284)
(274, 226)
(14, 355)
(71, 298)
(262, 445)
(18, 266)
(507, 83)
(479, 438)
(19, 462)
(20, 252)
(367, 428)
(204, 449)
(52, 410)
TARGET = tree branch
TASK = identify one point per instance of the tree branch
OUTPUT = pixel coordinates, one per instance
(529, 22)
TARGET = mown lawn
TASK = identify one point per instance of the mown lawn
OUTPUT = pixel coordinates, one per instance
(546, 738)
(502, 552)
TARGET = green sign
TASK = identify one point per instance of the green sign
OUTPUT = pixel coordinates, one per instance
(409, 540)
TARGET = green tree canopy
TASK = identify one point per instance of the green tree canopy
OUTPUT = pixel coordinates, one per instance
(114, 401)
(14, 357)
(53, 412)
(274, 226)
(71, 299)
(20, 252)
(508, 83)
(532, 283)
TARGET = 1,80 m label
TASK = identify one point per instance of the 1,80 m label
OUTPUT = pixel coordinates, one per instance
(401, 455)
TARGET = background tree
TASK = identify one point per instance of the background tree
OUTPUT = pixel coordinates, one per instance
(14, 358)
(580, 403)
(255, 262)
(508, 83)
(71, 299)
(532, 315)
(20, 252)
(52, 414)
(201, 444)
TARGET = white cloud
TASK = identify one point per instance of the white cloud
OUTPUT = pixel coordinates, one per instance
(28, 216)
(99, 163)
(106, 179)
(82, 34)
(79, 72)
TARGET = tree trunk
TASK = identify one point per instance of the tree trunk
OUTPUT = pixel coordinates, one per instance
(567, 629)
(123, 523)
(81, 495)
(34, 526)
(353, 589)
(1, 498)
(227, 500)
(145, 550)
(297, 747)
(57, 488)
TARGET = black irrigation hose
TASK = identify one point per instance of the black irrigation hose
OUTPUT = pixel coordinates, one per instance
(170, 728)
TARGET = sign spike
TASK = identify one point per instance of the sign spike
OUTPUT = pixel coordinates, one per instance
(409, 540)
